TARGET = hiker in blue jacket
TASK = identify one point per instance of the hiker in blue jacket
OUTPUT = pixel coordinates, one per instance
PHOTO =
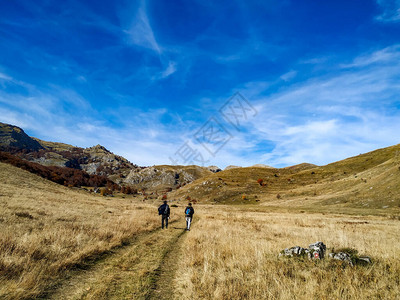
(189, 211)
(164, 211)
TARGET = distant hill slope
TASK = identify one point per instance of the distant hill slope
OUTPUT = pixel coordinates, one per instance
(370, 180)
(164, 177)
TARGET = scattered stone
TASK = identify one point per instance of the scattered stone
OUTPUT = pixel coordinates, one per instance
(314, 251)
(365, 260)
(294, 251)
(317, 250)
(342, 256)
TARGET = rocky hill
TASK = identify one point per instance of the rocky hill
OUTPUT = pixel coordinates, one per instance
(14, 138)
(165, 177)
(369, 180)
(97, 160)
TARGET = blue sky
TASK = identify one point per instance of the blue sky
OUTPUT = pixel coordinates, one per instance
(320, 79)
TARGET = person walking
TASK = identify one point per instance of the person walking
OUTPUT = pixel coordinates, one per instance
(189, 211)
(164, 211)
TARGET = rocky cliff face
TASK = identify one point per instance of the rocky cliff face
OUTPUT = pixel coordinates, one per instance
(99, 160)
(161, 177)
(94, 160)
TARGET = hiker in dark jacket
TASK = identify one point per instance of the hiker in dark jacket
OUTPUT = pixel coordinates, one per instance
(189, 211)
(164, 211)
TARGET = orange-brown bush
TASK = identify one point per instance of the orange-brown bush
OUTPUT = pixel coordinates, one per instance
(60, 175)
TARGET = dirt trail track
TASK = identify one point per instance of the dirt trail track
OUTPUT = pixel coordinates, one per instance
(143, 269)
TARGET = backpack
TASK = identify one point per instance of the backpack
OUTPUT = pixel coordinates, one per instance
(163, 210)
(188, 210)
(166, 209)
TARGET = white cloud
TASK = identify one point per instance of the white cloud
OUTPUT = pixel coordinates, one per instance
(319, 121)
(386, 55)
(322, 120)
(390, 10)
(289, 75)
(5, 77)
(171, 69)
(140, 31)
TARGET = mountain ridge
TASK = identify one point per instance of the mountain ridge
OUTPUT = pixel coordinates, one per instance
(97, 160)
(366, 180)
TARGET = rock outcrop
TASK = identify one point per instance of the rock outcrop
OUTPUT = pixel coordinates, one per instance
(231, 167)
(163, 177)
(314, 251)
(318, 250)
(214, 169)
(342, 256)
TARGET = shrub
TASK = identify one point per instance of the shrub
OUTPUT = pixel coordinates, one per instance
(61, 175)
(24, 215)
(105, 192)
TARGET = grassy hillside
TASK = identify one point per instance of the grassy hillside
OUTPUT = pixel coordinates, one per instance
(47, 229)
(370, 180)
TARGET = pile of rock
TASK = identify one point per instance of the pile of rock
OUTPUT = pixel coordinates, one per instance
(351, 259)
(314, 251)
(318, 250)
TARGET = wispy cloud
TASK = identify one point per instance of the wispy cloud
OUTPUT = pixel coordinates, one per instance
(169, 70)
(383, 56)
(390, 10)
(140, 32)
(5, 77)
(289, 75)
(63, 115)
(330, 118)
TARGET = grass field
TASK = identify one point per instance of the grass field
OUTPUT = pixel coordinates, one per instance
(63, 243)
(234, 255)
(47, 230)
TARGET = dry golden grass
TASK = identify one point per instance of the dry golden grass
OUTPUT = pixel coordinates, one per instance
(47, 229)
(235, 256)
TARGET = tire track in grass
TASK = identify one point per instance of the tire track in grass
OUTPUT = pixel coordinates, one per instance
(162, 280)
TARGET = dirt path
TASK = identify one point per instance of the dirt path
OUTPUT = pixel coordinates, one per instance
(142, 270)
(163, 288)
